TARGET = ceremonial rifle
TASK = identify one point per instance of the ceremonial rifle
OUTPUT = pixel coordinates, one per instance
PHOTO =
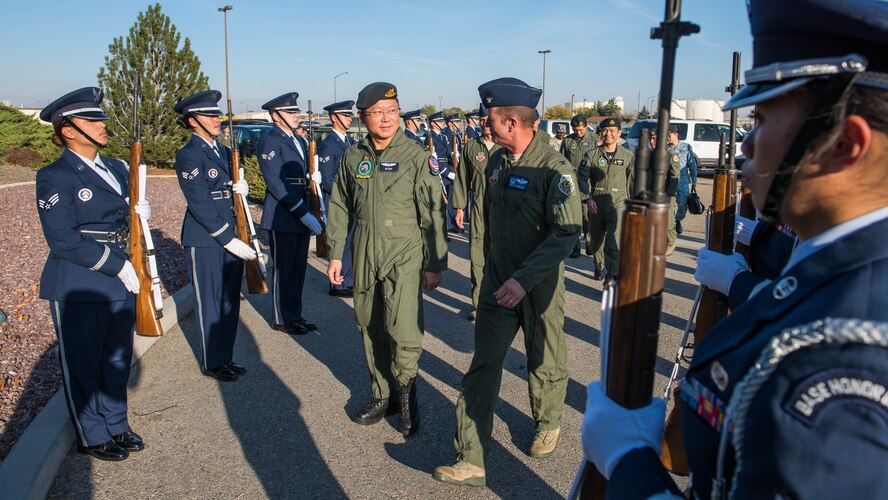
(244, 227)
(317, 198)
(631, 305)
(430, 139)
(149, 302)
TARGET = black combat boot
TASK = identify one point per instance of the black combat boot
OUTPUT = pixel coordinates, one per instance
(372, 412)
(409, 408)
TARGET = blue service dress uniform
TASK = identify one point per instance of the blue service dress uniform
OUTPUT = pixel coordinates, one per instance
(204, 177)
(769, 251)
(412, 135)
(444, 153)
(330, 151)
(472, 133)
(688, 164)
(818, 426)
(84, 222)
(285, 170)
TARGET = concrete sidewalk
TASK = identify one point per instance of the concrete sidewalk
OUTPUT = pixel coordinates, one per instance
(283, 430)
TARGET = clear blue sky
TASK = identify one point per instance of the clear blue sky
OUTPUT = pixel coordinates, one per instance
(600, 48)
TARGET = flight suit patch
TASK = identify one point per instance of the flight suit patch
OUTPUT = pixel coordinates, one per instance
(389, 166)
(518, 182)
(573, 145)
(566, 185)
(602, 162)
(585, 144)
(619, 161)
(816, 393)
(494, 177)
(434, 167)
(364, 169)
(479, 157)
(85, 194)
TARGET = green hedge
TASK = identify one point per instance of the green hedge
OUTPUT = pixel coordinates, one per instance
(24, 141)
(254, 177)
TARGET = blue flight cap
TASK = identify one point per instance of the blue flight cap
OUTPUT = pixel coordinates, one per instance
(452, 118)
(509, 92)
(340, 108)
(482, 110)
(201, 103)
(412, 115)
(285, 103)
(82, 103)
(437, 117)
(799, 41)
(375, 92)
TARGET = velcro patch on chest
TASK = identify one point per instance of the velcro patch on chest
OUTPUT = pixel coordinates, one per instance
(817, 393)
(389, 166)
(518, 182)
(619, 161)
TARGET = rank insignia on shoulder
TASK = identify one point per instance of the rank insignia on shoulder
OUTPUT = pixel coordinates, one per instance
(85, 194)
(47, 205)
(364, 170)
(518, 182)
(269, 155)
(566, 185)
(434, 167)
(212, 173)
(479, 157)
(602, 162)
(190, 175)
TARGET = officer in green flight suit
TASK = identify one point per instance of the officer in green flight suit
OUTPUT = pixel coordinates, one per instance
(472, 180)
(574, 147)
(532, 216)
(389, 186)
(672, 178)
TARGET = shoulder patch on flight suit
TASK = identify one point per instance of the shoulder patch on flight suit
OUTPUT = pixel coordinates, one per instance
(47, 205)
(434, 167)
(85, 194)
(518, 182)
(817, 392)
(389, 166)
(566, 185)
(268, 156)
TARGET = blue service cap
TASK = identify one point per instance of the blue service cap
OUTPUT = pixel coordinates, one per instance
(285, 103)
(436, 117)
(798, 41)
(509, 92)
(340, 108)
(412, 115)
(82, 103)
(375, 92)
(472, 114)
(201, 103)
(452, 118)
(482, 110)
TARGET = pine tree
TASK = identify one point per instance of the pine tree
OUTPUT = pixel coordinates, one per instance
(644, 114)
(151, 53)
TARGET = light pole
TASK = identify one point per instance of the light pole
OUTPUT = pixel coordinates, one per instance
(440, 103)
(571, 104)
(334, 84)
(544, 52)
(584, 105)
(224, 11)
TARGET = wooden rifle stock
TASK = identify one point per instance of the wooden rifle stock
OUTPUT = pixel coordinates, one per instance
(147, 314)
(255, 277)
(317, 209)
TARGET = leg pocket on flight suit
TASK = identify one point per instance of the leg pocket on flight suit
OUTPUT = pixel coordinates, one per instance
(363, 307)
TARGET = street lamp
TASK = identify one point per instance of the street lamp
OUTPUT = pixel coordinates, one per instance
(334, 84)
(224, 11)
(440, 103)
(584, 105)
(544, 52)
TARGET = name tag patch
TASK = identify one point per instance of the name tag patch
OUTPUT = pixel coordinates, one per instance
(619, 161)
(389, 166)
(518, 182)
(818, 392)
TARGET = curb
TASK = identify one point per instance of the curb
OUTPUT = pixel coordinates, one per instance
(31, 466)
(17, 184)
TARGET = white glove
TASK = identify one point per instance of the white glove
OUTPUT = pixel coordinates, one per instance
(610, 431)
(241, 187)
(240, 249)
(143, 209)
(451, 175)
(316, 177)
(129, 277)
(743, 229)
(311, 222)
(717, 270)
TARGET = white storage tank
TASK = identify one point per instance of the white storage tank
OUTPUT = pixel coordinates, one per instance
(704, 109)
(678, 109)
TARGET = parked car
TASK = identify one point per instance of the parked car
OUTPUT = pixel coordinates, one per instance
(246, 137)
(550, 126)
(703, 136)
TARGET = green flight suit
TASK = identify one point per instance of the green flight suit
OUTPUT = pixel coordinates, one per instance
(607, 183)
(532, 213)
(472, 177)
(397, 207)
(671, 189)
(574, 148)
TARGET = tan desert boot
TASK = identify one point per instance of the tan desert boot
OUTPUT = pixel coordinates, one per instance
(544, 443)
(462, 473)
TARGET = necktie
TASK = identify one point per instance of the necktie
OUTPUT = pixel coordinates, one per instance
(216, 150)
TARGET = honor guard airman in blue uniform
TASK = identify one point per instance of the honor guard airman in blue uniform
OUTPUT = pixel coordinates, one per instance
(283, 159)
(412, 121)
(473, 129)
(213, 254)
(444, 152)
(786, 397)
(82, 202)
(330, 152)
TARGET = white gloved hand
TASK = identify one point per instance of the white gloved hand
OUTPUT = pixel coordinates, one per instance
(129, 277)
(717, 271)
(316, 177)
(143, 208)
(743, 229)
(241, 187)
(610, 431)
(451, 175)
(240, 249)
(311, 222)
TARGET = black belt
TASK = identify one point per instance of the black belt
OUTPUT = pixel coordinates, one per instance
(118, 236)
(221, 195)
(299, 181)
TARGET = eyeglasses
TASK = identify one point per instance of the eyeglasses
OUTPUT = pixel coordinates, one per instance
(379, 113)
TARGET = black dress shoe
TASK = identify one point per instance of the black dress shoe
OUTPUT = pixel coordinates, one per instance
(574, 253)
(129, 441)
(373, 411)
(308, 326)
(678, 228)
(221, 373)
(598, 275)
(588, 250)
(292, 328)
(236, 368)
(346, 292)
(409, 408)
(110, 451)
